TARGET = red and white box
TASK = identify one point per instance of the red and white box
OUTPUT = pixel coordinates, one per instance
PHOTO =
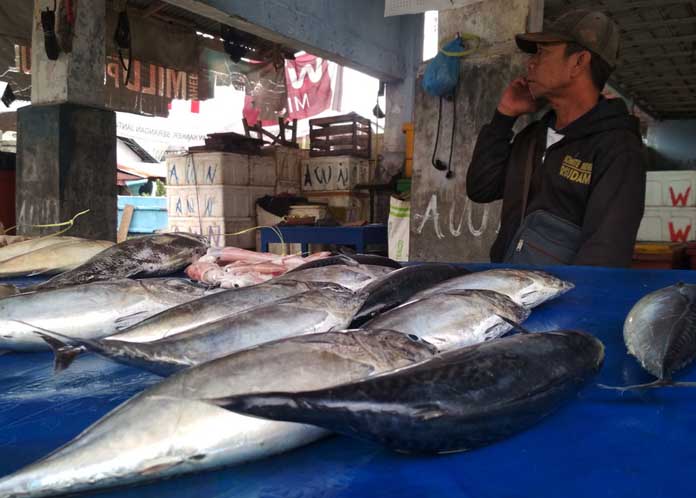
(668, 224)
(671, 188)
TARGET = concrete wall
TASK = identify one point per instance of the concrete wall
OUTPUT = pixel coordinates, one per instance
(673, 144)
(445, 224)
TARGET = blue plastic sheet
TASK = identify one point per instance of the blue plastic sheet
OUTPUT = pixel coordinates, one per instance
(603, 444)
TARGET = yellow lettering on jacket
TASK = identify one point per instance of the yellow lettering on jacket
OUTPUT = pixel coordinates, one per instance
(575, 170)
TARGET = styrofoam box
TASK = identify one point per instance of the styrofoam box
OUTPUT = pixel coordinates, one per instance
(216, 228)
(670, 188)
(255, 193)
(262, 171)
(208, 168)
(668, 224)
(288, 161)
(345, 206)
(334, 173)
(210, 201)
(283, 187)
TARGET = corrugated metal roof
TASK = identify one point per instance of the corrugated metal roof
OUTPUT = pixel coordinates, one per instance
(657, 67)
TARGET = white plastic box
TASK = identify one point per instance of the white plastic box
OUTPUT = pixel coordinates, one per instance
(216, 228)
(262, 171)
(670, 188)
(210, 201)
(288, 161)
(345, 206)
(208, 168)
(334, 173)
(668, 224)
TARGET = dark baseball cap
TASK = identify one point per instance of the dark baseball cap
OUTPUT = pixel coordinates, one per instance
(591, 29)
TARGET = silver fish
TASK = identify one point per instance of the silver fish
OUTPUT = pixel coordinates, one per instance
(455, 319)
(53, 259)
(353, 277)
(660, 331)
(166, 430)
(528, 288)
(329, 308)
(210, 309)
(88, 311)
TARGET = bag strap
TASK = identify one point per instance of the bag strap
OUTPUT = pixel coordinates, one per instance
(528, 170)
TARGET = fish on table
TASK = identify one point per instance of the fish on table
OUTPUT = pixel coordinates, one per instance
(168, 430)
(459, 401)
(660, 332)
(354, 276)
(155, 255)
(528, 288)
(329, 307)
(89, 311)
(395, 288)
(454, 319)
(52, 259)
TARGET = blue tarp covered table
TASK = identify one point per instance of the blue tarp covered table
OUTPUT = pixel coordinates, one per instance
(603, 444)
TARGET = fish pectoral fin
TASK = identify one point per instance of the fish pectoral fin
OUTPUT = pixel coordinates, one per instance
(515, 326)
(650, 385)
(41, 271)
(428, 411)
(158, 467)
(125, 321)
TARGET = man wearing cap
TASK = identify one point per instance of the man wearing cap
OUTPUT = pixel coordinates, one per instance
(572, 183)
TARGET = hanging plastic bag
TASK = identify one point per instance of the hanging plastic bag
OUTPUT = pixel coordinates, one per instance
(442, 74)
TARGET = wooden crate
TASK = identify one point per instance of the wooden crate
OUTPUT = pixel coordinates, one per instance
(349, 134)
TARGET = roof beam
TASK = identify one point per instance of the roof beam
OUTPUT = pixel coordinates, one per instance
(650, 25)
(659, 41)
(661, 55)
(662, 79)
(621, 5)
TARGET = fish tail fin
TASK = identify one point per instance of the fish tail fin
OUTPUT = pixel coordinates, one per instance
(64, 352)
(514, 324)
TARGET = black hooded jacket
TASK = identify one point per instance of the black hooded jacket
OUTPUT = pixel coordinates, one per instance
(594, 177)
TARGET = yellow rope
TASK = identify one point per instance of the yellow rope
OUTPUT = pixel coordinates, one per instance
(462, 53)
(275, 230)
(69, 224)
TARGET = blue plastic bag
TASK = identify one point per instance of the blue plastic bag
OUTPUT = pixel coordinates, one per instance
(442, 74)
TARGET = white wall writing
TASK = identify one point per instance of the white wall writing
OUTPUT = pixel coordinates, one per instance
(455, 221)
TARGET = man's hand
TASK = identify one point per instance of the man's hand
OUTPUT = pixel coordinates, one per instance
(517, 99)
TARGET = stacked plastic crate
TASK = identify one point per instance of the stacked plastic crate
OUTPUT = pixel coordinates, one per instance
(670, 207)
(340, 150)
(214, 193)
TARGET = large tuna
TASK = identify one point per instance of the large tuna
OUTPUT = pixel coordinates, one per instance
(89, 311)
(526, 287)
(459, 401)
(455, 319)
(397, 287)
(167, 429)
(330, 307)
(148, 256)
(660, 331)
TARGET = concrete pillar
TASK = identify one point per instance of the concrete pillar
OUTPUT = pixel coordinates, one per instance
(66, 149)
(445, 224)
